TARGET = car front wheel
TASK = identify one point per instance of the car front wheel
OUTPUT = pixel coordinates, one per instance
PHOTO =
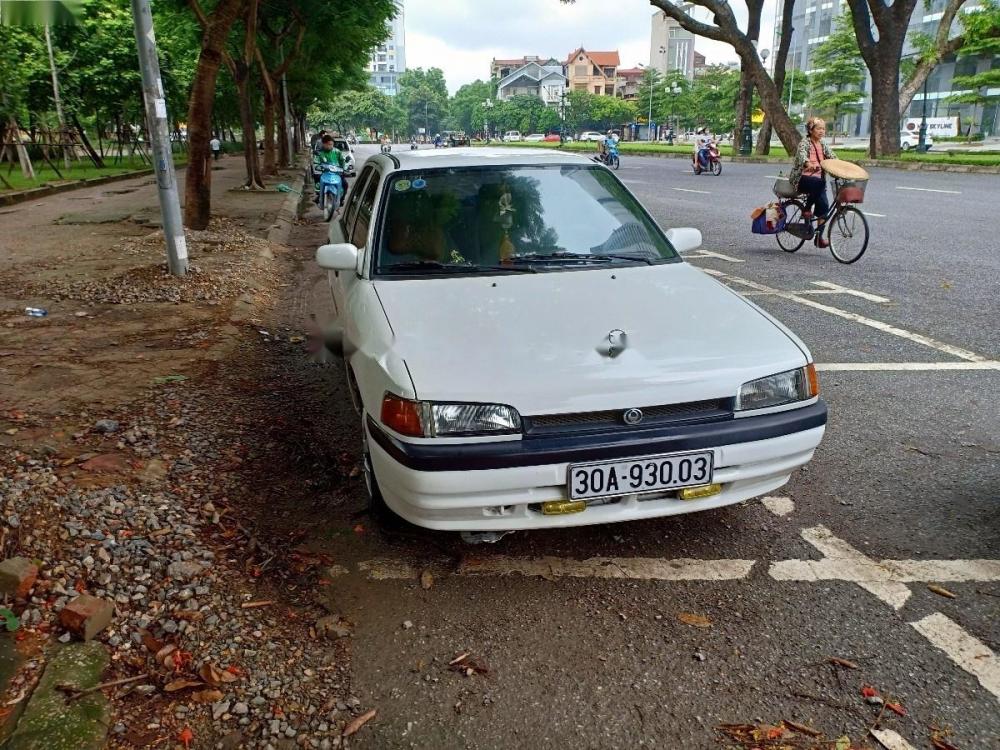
(377, 507)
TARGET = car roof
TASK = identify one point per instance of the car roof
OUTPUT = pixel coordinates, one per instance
(476, 157)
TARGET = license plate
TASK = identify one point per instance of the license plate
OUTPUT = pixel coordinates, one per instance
(634, 475)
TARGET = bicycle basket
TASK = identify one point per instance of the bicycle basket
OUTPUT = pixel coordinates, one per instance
(783, 188)
(850, 191)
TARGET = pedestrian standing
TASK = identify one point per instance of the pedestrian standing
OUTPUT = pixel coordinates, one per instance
(216, 145)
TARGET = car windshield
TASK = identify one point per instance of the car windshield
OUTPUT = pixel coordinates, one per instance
(486, 219)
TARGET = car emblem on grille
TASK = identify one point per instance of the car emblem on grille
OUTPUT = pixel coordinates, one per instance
(632, 416)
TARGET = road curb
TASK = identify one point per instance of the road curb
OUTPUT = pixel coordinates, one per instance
(20, 196)
(290, 211)
(910, 166)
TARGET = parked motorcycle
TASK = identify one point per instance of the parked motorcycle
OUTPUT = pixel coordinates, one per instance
(331, 188)
(712, 162)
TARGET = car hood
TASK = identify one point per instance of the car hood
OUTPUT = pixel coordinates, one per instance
(539, 342)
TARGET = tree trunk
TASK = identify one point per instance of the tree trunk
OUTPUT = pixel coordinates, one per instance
(248, 126)
(197, 184)
(885, 108)
(269, 153)
(780, 69)
(284, 158)
(27, 170)
(94, 156)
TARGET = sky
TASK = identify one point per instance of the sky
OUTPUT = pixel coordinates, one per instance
(462, 36)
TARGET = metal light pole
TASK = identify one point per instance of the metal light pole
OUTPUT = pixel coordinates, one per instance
(791, 80)
(487, 106)
(156, 118)
(922, 142)
(674, 91)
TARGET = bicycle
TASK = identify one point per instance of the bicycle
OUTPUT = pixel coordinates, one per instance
(846, 225)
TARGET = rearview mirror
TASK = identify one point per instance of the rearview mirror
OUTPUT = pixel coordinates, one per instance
(340, 257)
(684, 238)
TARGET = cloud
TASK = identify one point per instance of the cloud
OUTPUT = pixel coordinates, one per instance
(462, 36)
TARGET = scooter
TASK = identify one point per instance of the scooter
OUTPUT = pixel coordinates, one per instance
(610, 155)
(712, 162)
(331, 187)
(386, 147)
(413, 144)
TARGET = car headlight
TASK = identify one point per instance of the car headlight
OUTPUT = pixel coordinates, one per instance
(435, 419)
(787, 387)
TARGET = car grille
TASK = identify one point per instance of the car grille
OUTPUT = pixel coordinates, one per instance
(613, 419)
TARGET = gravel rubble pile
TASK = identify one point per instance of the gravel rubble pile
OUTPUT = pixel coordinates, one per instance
(198, 598)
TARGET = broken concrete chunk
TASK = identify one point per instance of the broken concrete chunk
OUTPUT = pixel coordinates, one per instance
(87, 615)
(184, 570)
(17, 576)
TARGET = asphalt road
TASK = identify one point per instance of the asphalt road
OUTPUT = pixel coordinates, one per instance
(909, 471)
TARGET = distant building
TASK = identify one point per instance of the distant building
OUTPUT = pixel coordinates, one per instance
(542, 78)
(628, 83)
(812, 22)
(596, 72)
(699, 64)
(502, 68)
(388, 60)
(671, 47)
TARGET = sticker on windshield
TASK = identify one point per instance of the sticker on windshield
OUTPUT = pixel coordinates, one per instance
(402, 185)
(419, 184)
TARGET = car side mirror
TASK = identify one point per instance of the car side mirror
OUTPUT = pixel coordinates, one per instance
(342, 256)
(684, 238)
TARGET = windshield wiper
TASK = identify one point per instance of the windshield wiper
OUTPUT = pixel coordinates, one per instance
(438, 266)
(579, 257)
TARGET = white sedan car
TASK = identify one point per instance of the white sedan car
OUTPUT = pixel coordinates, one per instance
(526, 348)
(535, 137)
(591, 135)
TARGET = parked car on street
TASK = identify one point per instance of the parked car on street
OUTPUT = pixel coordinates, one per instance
(527, 348)
(536, 137)
(457, 138)
(911, 139)
(591, 135)
(512, 136)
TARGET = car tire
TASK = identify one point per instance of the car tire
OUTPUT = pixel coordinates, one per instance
(378, 509)
(906, 147)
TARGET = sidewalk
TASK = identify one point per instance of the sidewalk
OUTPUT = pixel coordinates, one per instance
(149, 435)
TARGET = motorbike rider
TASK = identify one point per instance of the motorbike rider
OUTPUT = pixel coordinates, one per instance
(329, 154)
(701, 143)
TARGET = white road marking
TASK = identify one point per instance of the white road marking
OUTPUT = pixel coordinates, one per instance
(847, 290)
(885, 579)
(890, 740)
(841, 562)
(688, 190)
(929, 190)
(779, 506)
(712, 272)
(918, 338)
(774, 177)
(639, 568)
(872, 213)
(965, 650)
(701, 253)
(796, 291)
(904, 366)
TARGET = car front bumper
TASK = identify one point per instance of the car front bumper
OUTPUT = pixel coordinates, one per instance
(500, 486)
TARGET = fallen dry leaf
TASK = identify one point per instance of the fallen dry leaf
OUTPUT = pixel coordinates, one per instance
(175, 685)
(426, 580)
(896, 708)
(207, 696)
(152, 644)
(868, 691)
(699, 621)
(165, 655)
(355, 724)
(460, 658)
(215, 676)
(842, 662)
(942, 591)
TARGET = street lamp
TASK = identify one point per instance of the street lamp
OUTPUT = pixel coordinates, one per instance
(674, 90)
(651, 70)
(487, 105)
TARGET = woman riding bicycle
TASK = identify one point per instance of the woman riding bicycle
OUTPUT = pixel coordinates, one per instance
(807, 175)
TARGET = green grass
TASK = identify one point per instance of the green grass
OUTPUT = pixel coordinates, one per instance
(641, 147)
(45, 175)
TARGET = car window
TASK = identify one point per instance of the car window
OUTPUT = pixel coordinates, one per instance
(355, 199)
(359, 234)
(494, 216)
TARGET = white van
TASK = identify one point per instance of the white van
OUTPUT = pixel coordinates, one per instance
(512, 136)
